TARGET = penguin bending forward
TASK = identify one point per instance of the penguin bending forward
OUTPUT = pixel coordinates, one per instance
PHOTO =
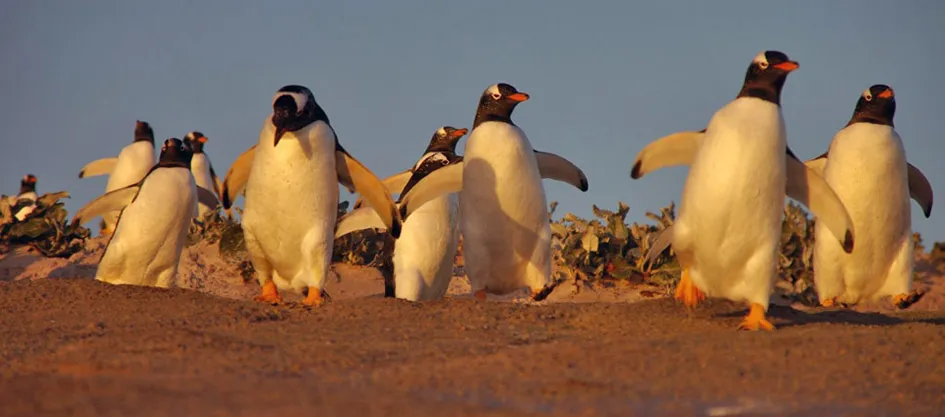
(424, 253)
(131, 164)
(28, 193)
(155, 216)
(866, 165)
(727, 234)
(291, 181)
(504, 214)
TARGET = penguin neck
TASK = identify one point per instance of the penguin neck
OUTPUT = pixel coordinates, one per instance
(491, 111)
(149, 139)
(27, 188)
(766, 92)
(869, 118)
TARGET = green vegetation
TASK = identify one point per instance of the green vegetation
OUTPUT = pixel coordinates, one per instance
(46, 229)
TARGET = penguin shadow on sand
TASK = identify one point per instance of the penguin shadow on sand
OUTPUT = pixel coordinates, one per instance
(786, 316)
(504, 227)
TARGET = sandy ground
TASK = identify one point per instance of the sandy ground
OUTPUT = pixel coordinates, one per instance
(73, 346)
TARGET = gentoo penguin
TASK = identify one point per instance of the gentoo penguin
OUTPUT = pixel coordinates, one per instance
(291, 180)
(28, 193)
(727, 233)
(132, 163)
(424, 253)
(155, 217)
(866, 165)
(202, 169)
(504, 221)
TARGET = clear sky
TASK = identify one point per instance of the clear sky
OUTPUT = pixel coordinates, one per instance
(605, 77)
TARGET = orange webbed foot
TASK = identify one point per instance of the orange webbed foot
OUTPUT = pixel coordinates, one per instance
(830, 302)
(270, 294)
(687, 292)
(756, 320)
(904, 301)
(315, 297)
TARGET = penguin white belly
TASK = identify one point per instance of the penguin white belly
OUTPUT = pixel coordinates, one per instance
(134, 162)
(291, 202)
(504, 214)
(866, 167)
(733, 201)
(424, 253)
(200, 167)
(146, 245)
(25, 211)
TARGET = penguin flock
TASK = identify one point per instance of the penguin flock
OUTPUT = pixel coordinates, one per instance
(726, 235)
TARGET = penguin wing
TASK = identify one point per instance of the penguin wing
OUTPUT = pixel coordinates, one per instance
(394, 183)
(920, 189)
(817, 164)
(659, 244)
(811, 190)
(115, 200)
(236, 177)
(448, 179)
(368, 185)
(675, 149)
(100, 167)
(555, 167)
(207, 198)
(360, 219)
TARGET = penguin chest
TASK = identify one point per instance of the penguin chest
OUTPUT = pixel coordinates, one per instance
(133, 163)
(866, 167)
(200, 167)
(428, 234)
(292, 189)
(152, 229)
(501, 181)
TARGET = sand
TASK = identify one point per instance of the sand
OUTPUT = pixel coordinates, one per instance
(73, 346)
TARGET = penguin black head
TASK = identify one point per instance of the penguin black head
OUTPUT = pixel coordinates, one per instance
(143, 132)
(196, 140)
(497, 103)
(876, 105)
(445, 139)
(293, 108)
(766, 75)
(175, 152)
(28, 184)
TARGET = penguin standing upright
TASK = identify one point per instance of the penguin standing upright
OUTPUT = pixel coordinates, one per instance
(155, 218)
(291, 186)
(728, 230)
(424, 253)
(504, 214)
(131, 164)
(202, 169)
(27, 193)
(866, 165)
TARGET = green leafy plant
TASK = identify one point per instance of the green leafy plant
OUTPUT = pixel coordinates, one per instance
(368, 247)
(44, 229)
(796, 258)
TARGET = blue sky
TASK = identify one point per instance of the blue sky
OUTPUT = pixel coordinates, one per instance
(605, 78)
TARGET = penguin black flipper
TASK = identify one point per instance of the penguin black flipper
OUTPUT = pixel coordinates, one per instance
(920, 190)
(99, 167)
(236, 177)
(115, 200)
(811, 190)
(448, 179)
(364, 182)
(555, 167)
(679, 148)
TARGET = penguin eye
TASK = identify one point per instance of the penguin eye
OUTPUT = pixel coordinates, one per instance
(763, 65)
(868, 97)
(496, 96)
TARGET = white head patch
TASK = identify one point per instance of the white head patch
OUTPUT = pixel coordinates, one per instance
(493, 91)
(761, 59)
(441, 132)
(300, 100)
(868, 95)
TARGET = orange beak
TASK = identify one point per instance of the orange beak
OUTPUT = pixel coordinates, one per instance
(458, 133)
(518, 97)
(202, 139)
(886, 94)
(787, 66)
